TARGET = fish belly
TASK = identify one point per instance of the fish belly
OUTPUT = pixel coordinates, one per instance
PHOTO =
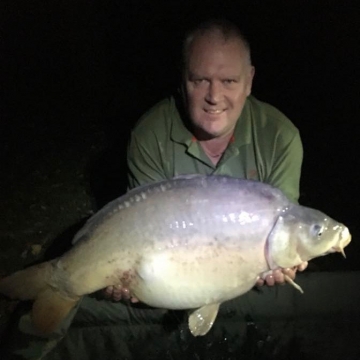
(192, 277)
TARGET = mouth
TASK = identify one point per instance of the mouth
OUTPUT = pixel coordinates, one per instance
(214, 111)
(344, 241)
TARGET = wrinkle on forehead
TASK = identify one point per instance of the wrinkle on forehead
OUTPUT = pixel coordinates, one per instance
(216, 39)
(211, 55)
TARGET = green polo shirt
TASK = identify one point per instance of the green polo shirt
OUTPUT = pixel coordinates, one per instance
(266, 146)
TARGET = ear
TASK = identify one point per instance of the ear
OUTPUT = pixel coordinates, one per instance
(182, 91)
(252, 72)
(250, 80)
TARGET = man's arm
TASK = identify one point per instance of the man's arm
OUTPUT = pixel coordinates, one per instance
(144, 161)
(286, 168)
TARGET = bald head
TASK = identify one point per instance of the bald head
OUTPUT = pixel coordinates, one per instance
(215, 31)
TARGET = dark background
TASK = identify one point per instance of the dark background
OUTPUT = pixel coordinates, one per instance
(76, 75)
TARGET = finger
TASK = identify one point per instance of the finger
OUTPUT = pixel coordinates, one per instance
(116, 297)
(302, 266)
(270, 281)
(134, 300)
(125, 293)
(279, 277)
(291, 273)
(117, 290)
(117, 294)
(108, 291)
(260, 282)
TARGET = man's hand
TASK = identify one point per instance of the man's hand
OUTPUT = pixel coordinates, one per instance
(278, 275)
(117, 293)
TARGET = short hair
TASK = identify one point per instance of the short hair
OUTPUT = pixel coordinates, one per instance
(225, 28)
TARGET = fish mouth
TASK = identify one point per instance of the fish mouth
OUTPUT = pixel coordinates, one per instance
(344, 241)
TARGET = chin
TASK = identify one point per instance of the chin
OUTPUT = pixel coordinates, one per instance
(210, 128)
(215, 130)
(207, 134)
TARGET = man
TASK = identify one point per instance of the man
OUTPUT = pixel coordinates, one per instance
(211, 126)
(214, 126)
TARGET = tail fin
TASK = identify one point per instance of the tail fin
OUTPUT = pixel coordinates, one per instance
(50, 306)
(26, 284)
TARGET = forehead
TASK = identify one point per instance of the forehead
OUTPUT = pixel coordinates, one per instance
(214, 53)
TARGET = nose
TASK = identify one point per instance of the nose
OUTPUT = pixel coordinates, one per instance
(214, 93)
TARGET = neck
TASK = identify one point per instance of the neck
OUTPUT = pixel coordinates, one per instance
(214, 148)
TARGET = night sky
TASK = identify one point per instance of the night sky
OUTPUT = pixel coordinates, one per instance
(72, 65)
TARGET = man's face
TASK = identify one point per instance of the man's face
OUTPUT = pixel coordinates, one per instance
(218, 79)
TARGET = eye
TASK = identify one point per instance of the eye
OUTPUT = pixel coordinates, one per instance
(317, 230)
(229, 81)
(198, 81)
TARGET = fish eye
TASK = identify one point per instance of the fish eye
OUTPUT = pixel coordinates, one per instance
(317, 230)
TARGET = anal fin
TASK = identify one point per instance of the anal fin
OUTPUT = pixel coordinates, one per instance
(202, 319)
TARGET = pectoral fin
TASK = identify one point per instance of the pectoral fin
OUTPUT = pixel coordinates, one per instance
(202, 319)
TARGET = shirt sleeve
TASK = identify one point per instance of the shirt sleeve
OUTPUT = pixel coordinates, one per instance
(286, 170)
(143, 161)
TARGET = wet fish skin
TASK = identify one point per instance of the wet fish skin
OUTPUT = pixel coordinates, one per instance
(186, 243)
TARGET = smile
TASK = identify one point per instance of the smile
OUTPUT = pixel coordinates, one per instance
(209, 111)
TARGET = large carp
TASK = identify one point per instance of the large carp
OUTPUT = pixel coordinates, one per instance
(188, 243)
